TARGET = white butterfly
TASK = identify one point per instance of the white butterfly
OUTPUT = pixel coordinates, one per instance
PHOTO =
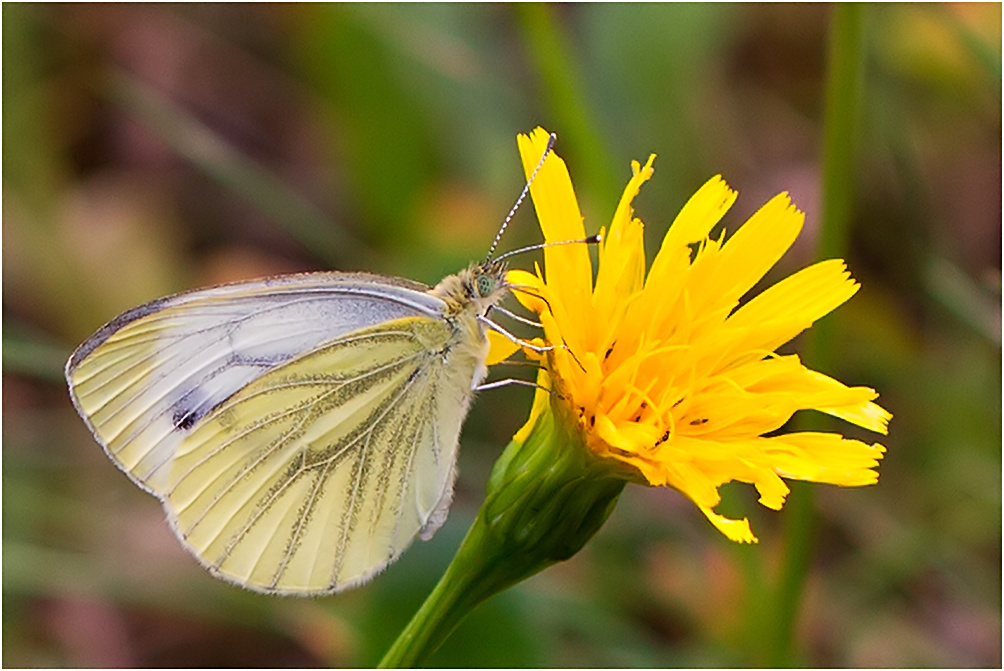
(300, 431)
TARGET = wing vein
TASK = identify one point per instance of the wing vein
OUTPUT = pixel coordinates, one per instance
(262, 506)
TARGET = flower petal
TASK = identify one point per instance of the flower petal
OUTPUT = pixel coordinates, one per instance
(500, 348)
(541, 398)
(621, 268)
(568, 268)
(720, 276)
(870, 416)
(792, 305)
(527, 288)
(737, 530)
(622, 251)
(700, 214)
(824, 457)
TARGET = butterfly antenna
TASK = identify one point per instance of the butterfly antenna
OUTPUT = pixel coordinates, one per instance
(526, 189)
(590, 240)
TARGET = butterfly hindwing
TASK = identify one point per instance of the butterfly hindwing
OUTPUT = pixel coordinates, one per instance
(320, 472)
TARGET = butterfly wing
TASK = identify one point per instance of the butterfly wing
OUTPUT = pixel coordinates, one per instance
(148, 376)
(299, 434)
(321, 472)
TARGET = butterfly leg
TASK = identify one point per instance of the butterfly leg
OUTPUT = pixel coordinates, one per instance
(513, 315)
(511, 380)
(522, 343)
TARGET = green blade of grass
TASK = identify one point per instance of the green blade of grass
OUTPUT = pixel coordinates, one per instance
(191, 139)
(844, 87)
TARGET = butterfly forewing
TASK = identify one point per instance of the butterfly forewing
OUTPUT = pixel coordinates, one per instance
(163, 366)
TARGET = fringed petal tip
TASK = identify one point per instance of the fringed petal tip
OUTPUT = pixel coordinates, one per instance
(869, 415)
(880, 418)
(700, 214)
(534, 142)
(736, 530)
(645, 172)
(771, 488)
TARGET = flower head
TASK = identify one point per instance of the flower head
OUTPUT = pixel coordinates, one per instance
(665, 372)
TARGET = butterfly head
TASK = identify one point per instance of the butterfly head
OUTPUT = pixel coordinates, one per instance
(476, 288)
(486, 284)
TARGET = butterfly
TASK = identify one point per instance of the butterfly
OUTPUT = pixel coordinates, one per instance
(300, 431)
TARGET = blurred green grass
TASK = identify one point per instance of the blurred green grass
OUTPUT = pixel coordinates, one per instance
(151, 149)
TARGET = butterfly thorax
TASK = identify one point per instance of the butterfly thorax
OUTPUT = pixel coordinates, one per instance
(473, 290)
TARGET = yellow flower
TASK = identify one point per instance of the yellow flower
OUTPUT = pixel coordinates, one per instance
(666, 373)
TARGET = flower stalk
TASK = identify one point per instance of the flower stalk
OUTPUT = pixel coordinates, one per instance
(844, 96)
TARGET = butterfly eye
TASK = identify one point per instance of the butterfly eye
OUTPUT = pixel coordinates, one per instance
(485, 284)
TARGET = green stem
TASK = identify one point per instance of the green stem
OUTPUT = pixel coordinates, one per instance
(844, 88)
(466, 583)
(551, 53)
(844, 95)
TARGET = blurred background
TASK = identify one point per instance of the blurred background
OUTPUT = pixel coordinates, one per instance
(150, 149)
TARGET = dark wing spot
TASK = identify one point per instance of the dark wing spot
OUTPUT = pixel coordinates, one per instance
(190, 408)
(185, 418)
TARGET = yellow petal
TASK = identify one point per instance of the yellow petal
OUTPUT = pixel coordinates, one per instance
(659, 303)
(607, 431)
(527, 288)
(720, 277)
(870, 416)
(704, 209)
(567, 267)
(824, 457)
(523, 278)
(557, 212)
(500, 348)
(759, 243)
(736, 530)
(621, 268)
(622, 252)
(699, 484)
(771, 488)
(540, 401)
(794, 303)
